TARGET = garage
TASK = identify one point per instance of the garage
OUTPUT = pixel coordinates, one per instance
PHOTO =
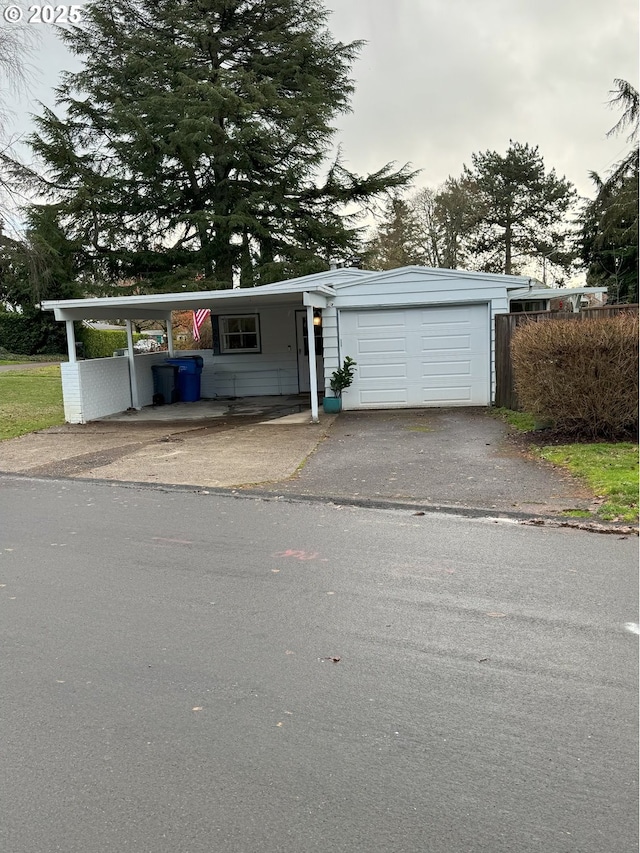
(418, 356)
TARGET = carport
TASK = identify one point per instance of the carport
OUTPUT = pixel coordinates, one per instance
(260, 346)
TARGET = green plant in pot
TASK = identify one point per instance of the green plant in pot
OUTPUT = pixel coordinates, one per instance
(340, 379)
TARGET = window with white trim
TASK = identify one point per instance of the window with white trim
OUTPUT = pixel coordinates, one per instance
(239, 333)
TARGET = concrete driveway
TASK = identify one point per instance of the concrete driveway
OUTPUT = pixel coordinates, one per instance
(459, 458)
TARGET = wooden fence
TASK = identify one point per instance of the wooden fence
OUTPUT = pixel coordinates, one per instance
(506, 324)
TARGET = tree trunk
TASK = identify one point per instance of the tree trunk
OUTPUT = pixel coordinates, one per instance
(507, 249)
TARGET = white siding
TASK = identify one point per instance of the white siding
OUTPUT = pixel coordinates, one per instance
(70, 373)
(272, 371)
(95, 388)
(330, 345)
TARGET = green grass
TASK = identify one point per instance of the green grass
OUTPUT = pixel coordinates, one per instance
(522, 421)
(610, 470)
(30, 400)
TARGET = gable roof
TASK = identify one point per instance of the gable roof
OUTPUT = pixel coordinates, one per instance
(439, 273)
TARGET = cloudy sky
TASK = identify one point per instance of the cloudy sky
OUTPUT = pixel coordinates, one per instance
(440, 79)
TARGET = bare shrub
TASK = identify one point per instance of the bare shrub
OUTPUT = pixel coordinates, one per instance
(580, 374)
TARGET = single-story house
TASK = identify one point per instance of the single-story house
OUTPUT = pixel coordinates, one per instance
(419, 336)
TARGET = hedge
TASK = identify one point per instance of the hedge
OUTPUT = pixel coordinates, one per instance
(102, 343)
(32, 334)
(582, 375)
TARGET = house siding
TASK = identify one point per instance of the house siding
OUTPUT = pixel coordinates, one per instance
(272, 371)
(95, 388)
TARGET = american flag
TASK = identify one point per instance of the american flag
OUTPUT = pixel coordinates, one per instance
(199, 317)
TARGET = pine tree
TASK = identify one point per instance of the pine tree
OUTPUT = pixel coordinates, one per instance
(609, 236)
(519, 211)
(396, 241)
(191, 146)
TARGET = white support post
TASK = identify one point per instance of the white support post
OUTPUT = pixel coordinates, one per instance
(71, 341)
(135, 401)
(170, 337)
(313, 375)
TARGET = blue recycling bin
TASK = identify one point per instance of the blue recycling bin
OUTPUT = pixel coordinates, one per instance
(189, 371)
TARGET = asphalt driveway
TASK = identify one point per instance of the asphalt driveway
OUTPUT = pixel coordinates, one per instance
(431, 457)
(442, 457)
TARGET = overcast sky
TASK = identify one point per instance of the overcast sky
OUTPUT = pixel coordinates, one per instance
(441, 79)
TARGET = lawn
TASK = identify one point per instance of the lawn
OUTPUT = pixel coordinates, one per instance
(609, 469)
(30, 400)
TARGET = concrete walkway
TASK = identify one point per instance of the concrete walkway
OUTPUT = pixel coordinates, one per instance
(460, 458)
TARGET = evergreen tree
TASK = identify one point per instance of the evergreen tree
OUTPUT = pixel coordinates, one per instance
(453, 217)
(190, 148)
(609, 236)
(396, 240)
(40, 265)
(519, 211)
(428, 228)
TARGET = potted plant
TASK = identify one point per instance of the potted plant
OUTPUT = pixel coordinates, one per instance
(340, 379)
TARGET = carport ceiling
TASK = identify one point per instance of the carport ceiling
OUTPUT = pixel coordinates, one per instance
(159, 306)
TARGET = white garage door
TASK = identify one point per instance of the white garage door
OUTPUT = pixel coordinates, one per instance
(418, 356)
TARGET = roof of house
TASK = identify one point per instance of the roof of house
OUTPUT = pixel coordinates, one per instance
(314, 290)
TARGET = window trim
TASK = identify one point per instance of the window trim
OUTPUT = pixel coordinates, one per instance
(223, 333)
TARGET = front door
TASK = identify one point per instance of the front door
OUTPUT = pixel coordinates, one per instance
(302, 339)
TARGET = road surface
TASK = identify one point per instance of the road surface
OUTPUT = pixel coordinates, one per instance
(187, 673)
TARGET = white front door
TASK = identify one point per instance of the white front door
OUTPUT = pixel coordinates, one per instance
(303, 353)
(418, 356)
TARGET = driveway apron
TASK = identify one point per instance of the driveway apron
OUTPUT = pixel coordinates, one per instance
(443, 457)
(435, 457)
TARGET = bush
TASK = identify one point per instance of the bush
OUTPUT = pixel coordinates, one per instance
(102, 343)
(31, 334)
(580, 374)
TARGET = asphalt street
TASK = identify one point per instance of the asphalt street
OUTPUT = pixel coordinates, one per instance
(186, 672)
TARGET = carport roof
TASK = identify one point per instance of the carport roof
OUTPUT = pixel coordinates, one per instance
(158, 306)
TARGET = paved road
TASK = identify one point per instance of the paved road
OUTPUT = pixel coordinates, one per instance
(188, 672)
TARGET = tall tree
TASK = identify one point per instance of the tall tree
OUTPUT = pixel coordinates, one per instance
(193, 144)
(42, 264)
(396, 241)
(609, 234)
(519, 211)
(453, 219)
(427, 228)
(17, 42)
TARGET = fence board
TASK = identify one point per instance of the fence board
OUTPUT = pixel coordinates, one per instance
(506, 324)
